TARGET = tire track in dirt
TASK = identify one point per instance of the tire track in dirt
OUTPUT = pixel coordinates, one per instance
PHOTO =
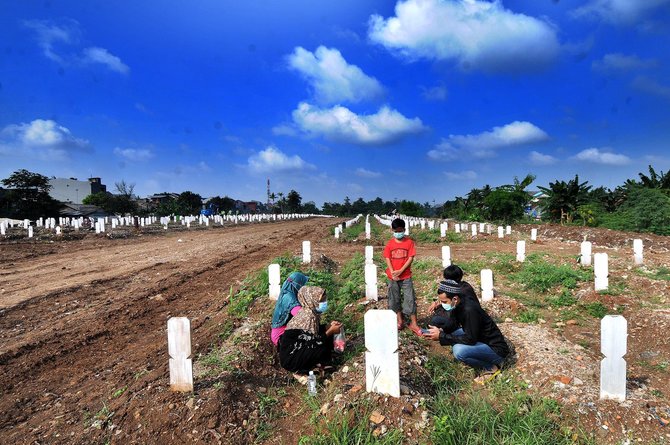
(60, 371)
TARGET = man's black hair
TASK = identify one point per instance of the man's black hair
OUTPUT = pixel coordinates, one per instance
(398, 223)
(453, 272)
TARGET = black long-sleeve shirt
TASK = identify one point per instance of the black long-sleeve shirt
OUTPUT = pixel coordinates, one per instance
(478, 327)
(467, 292)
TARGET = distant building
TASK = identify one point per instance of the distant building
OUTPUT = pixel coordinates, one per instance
(71, 190)
(534, 207)
(77, 210)
(162, 198)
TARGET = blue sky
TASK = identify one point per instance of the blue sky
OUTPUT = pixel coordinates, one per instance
(416, 99)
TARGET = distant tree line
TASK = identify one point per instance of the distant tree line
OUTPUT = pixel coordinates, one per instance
(637, 205)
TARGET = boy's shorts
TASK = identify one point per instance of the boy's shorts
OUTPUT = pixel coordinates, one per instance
(409, 299)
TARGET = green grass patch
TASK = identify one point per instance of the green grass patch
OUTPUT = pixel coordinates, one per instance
(354, 231)
(350, 429)
(595, 309)
(565, 299)
(528, 316)
(662, 273)
(539, 275)
(504, 415)
(428, 236)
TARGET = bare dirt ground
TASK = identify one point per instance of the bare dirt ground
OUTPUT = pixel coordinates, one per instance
(83, 353)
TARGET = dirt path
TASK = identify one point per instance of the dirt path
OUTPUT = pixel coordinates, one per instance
(78, 324)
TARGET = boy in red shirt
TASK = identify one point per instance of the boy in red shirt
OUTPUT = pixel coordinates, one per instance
(399, 254)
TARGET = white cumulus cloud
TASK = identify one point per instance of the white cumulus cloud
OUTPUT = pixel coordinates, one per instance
(651, 86)
(538, 158)
(477, 34)
(341, 124)
(434, 93)
(134, 154)
(622, 62)
(104, 57)
(601, 156)
(467, 175)
(483, 145)
(365, 173)
(620, 12)
(274, 160)
(42, 139)
(332, 78)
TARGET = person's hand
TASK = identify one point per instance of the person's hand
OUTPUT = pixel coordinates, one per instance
(334, 328)
(433, 307)
(433, 333)
(395, 274)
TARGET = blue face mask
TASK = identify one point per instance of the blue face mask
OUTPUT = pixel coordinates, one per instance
(322, 307)
(399, 235)
(446, 306)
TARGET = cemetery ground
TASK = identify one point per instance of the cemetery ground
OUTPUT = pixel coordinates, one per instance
(83, 350)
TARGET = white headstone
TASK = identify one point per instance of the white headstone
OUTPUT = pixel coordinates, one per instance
(367, 230)
(371, 282)
(601, 271)
(337, 232)
(58, 230)
(274, 278)
(474, 230)
(613, 343)
(487, 284)
(482, 227)
(508, 230)
(585, 255)
(443, 230)
(520, 251)
(30, 231)
(306, 252)
(533, 234)
(179, 348)
(446, 256)
(382, 366)
(369, 254)
(501, 232)
(637, 251)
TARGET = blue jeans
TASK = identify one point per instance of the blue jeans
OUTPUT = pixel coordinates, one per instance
(480, 355)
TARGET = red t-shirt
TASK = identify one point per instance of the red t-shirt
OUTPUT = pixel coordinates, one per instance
(399, 252)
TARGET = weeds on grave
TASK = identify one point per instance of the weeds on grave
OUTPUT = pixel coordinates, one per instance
(565, 299)
(118, 392)
(539, 275)
(614, 289)
(662, 273)
(595, 309)
(433, 236)
(353, 232)
(529, 316)
(352, 427)
(504, 414)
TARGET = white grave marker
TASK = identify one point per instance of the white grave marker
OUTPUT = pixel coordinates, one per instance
(179, 348)
(501, 232)
(508, 230)
(443, 230)
(371, 282)
(637, 251)
(306, 252)
(487, 284)
(274, 277)
(474, 230)
(369, 254)
(520, 251)
(457, 228)
(446, 256)
(585, 256)
(613, 341)
(533, 234)
(601, 271)
(382, 366)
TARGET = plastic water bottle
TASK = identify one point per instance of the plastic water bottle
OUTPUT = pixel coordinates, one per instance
(311, 384)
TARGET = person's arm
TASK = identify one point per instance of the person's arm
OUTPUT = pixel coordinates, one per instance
(472, 325)
(406, 265)
(333, 328)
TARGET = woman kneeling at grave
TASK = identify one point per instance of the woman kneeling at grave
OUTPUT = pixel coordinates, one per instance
(287, 305)
(478, 342)
(306, 343)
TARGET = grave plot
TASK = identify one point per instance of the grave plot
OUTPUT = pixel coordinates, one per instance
(60, 347)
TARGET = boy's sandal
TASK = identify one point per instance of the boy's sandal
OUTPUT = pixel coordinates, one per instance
(418, 332)
(486, 377)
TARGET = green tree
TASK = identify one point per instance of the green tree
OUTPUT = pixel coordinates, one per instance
(563, 199)
(293, 202)
(189, 203)
(310, 207)
(654, 180)
(410, 208)
(507, 205)
(28, 196)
